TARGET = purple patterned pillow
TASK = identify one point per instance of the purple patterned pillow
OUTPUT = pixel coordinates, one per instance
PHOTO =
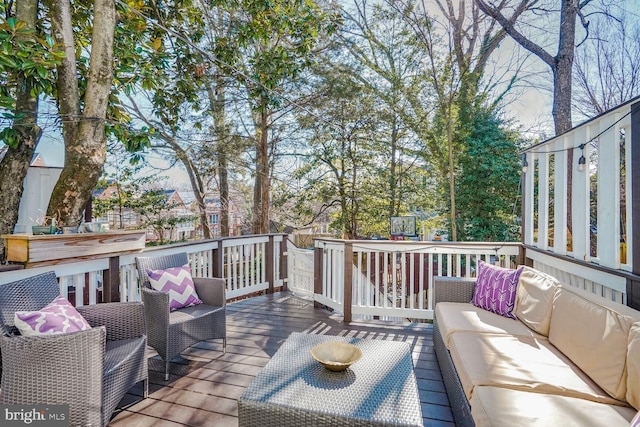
(56, 318)
(496, 289)
(177, 282)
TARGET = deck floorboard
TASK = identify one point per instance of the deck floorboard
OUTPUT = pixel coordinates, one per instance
(204, 383)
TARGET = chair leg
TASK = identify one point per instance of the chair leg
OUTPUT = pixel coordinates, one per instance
(166, 370)
(224, 345)
(145, 388)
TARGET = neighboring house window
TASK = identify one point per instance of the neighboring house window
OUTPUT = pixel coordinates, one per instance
(129, 217)
(213, 219)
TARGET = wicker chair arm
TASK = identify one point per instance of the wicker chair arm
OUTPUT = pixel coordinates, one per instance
(156, 311)
(123, 320)
(62, 369)
(211, 291)
(453, 289)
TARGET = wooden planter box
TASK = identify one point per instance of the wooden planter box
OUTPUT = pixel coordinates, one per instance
(35, 251)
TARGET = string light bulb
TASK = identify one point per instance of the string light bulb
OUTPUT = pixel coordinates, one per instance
(581, 161)
(525, 164)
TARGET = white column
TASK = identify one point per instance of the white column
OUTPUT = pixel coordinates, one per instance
(580, 197)
(609, 194)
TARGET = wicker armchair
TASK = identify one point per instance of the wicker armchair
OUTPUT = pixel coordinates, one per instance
(171, 332)
(88, 370)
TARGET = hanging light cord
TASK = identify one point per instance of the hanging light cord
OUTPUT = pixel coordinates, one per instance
(593, 139)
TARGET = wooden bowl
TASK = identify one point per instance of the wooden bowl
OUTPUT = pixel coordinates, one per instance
(336, 355)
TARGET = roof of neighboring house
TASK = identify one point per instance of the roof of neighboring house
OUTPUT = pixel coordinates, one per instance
(188, 197)
(37, 161)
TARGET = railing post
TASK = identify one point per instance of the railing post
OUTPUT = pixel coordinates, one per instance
(633, 293)
(633, 287)
(284, 263)
(318, 255)
(348, 281)
(269, 266)
(217, 255)
(521, 259)
(111, 281)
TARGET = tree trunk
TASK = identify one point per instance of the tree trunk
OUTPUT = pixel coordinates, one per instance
(223, 173)
(452, 181)
(15, 163)
(562, 81)
(562, 88)
(393, 196)
(196, 185)
(261, 187)
(217, 100)
(84, 134)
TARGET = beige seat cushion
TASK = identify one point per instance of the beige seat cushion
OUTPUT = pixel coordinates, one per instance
(519, 362)
(633, 367)
(457, 316)
(593, 332)
(534, 299)
(494, 406)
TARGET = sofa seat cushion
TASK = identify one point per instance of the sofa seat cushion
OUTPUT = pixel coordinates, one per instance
(496, 406)
(455, 316)
(187, 314)
(593, 332)
(519, 362)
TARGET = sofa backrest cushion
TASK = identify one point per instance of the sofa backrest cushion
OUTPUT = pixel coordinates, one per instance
(633, 368)
(534, 299)
(593, 332)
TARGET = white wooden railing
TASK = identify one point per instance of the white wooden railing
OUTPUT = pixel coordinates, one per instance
(249, 264)
(395, 279)
(598, 226)
(600, 282)
(386, 279)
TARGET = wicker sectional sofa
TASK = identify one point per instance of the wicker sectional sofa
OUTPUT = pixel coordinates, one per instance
(570, 359)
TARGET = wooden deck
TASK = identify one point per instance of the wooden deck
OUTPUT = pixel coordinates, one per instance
(205, 385)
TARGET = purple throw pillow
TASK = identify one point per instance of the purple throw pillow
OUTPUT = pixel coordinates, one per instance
(496, 289)
(56, 318)
(177, 282)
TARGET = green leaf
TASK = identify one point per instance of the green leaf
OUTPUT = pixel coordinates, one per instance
(42, 72)
(10, 137)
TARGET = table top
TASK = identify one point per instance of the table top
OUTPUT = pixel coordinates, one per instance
(380, 387)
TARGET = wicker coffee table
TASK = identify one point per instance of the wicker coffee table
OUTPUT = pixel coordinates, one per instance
(295, 390)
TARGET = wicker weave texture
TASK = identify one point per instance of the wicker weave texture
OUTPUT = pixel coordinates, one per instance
(453, 289)
(457, 399)
(170, 333)
(88, 370)
(295, 390)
